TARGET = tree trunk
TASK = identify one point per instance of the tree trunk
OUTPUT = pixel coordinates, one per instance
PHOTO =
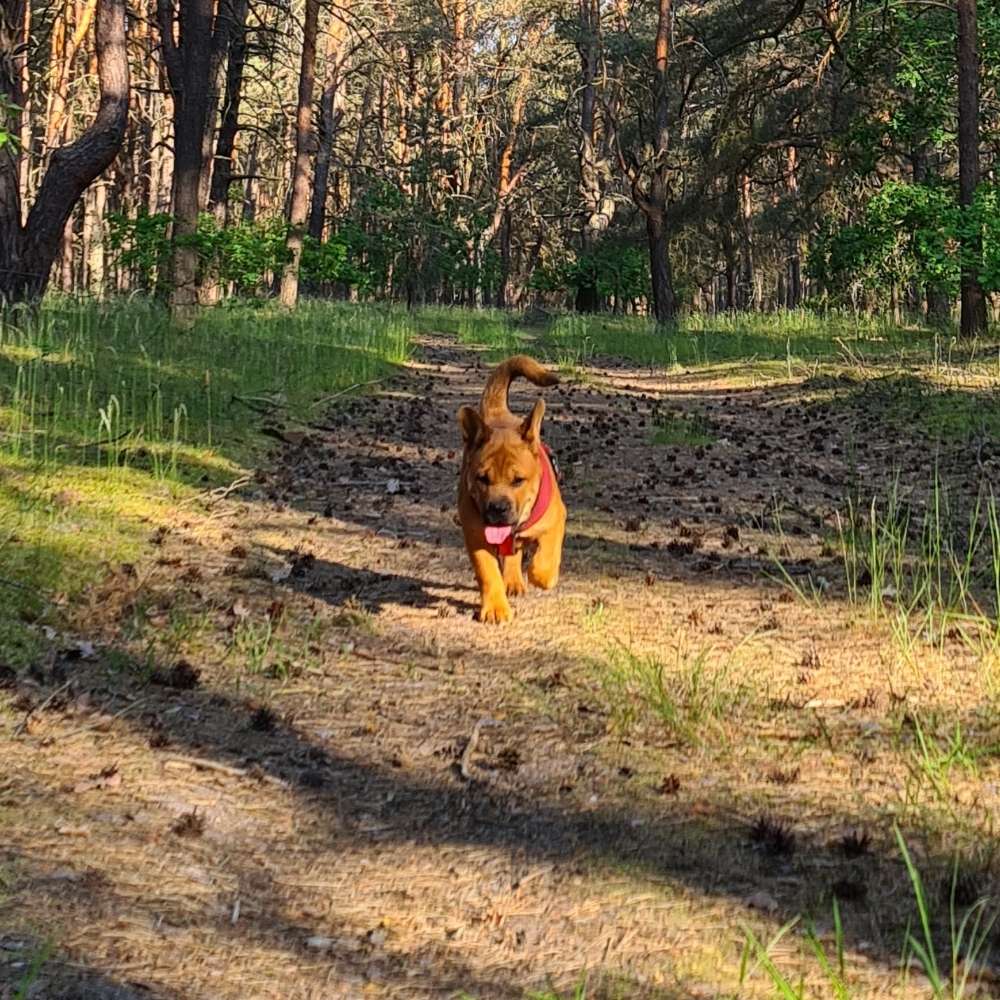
(936, 300)
(664, 301)
(222, 165)
(748, 275)
(330, 113)
(27, 252)
(505, 235)
(655, 208)
(299, 204)
(973, 299)
(95, 209)
(249, 201)
(597, 207)
(189, 67)
(793, 298)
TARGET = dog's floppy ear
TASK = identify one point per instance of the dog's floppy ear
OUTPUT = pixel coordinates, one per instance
(531, 426)
(473, 429)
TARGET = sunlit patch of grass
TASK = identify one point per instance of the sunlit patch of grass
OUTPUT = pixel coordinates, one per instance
(777, 343)
(494, 329)
(938, 569)
(767, 346)
(109, 418)
(113, 382)
(694, 691)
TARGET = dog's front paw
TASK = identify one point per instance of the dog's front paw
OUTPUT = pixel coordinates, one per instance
(516, 586)
(495, 610)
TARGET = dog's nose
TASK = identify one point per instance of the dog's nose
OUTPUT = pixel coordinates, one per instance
(498, 512)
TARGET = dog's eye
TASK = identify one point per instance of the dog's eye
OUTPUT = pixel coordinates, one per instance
(483, 478)
(517, 481)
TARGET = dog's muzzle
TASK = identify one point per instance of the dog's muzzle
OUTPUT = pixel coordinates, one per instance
(500, 513)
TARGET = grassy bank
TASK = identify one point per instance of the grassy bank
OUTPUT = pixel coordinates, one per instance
(789, 338)
(110, 419)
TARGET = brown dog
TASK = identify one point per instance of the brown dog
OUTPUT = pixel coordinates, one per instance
(507, 492)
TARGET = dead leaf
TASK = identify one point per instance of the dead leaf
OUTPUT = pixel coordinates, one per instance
(239, 609)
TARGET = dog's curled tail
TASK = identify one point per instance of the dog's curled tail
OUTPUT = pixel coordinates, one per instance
(494, 400)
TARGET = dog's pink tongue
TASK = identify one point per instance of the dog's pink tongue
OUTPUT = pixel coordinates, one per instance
(497, 534)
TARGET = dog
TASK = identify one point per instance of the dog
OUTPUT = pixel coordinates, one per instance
(508, 495)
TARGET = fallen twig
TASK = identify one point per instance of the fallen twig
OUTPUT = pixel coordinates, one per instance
(105, 720)
(219, 493)
(344, 392)
(234, 772)
(270, 405)
(470, 748)
(99, 442)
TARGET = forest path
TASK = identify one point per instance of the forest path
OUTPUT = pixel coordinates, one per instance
(339, 784)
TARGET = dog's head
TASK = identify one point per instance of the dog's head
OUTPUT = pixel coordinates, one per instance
(503, 465)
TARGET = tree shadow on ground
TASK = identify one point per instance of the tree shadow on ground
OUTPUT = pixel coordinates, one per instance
(31, 969)
(365, 804)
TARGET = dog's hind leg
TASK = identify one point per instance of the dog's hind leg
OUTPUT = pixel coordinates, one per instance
(512, 575)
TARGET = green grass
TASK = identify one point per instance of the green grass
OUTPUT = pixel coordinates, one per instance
(680, 429)
(114, 384)
(925, 560)
(686, 697)
(779, 343)
(968, 941)
(109, 418)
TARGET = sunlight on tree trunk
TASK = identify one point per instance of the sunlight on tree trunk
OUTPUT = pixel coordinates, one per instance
(298, 210)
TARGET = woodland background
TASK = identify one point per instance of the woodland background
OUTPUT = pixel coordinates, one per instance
(629, 156)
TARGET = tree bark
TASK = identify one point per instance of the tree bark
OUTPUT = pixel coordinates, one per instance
(189, 65)
(793, 297)
(649, 181)
(664, 300)
(222, 167)
(936, 300)
(973, 300)
(330, 113)
(654, 205)
(748, 272)
(27, 252)
(299, 204)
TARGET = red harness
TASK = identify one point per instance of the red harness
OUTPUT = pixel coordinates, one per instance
(542, 501)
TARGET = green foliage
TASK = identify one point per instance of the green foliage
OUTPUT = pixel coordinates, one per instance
(246, 254)
(141, 245)
(905, 232)
(389, 245)
(397, 243)
(611, 269)
(329, 262)
(912, 233)
(8, 116)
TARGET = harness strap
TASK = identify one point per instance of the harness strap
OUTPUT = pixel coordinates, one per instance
(541, 505)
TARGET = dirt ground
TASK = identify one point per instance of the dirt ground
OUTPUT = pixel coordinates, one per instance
(293, 765)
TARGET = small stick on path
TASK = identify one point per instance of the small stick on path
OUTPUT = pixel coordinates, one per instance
(204, 764)
(470, 748)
